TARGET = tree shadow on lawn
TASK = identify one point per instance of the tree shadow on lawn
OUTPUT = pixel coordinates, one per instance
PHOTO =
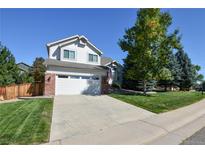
(134, 94)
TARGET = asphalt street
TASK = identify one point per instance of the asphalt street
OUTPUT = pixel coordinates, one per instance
(197, 139)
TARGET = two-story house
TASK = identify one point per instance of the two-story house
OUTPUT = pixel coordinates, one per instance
(74, 67)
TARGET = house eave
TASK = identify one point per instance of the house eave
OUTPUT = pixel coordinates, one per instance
(72, 38)
(52, 62)
(114, 61)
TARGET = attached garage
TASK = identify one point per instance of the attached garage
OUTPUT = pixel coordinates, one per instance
(77, 84)
(66, 78)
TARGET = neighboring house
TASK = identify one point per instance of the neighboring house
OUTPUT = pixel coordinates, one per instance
(24, 68)
(116, 70)
(74, 67)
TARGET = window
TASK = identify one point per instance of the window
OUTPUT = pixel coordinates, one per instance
(62, 76)
(69, 54)
(85, 77)
(95, 78)
(93, 58)
(74, 77)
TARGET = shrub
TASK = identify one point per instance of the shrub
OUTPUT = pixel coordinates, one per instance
(116, 85)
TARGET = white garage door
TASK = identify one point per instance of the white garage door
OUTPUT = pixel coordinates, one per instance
(74, 85)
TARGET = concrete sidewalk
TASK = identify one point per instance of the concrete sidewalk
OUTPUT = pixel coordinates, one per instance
(167, 128)
(23, 98)
(179, 124)
(9, 101)
(180, 134)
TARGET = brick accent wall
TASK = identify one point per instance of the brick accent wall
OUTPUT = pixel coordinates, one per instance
(104, 85)
(49, 89)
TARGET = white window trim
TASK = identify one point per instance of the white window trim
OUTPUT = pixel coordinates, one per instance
(93, 61)
(69, 59)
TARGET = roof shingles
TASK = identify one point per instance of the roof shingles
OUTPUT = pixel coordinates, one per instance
(54, 62)
(105, 60)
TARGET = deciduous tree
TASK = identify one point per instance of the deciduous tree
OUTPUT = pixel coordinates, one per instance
(38, 70)
(148, 45)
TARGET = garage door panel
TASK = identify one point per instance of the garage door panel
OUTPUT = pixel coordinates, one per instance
(74, 86)
(92, 87)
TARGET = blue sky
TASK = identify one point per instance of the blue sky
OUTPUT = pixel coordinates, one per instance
(26, 31)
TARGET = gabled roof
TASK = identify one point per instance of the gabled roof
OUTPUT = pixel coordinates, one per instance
(106, 60)
(67, 40)
(23, 66)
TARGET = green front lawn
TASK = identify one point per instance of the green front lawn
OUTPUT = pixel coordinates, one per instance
(162, 101)
(25, 122)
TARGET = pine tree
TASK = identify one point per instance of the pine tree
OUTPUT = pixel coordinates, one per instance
(186, 73)
(175, 70)
(8, 67)
(25, 77)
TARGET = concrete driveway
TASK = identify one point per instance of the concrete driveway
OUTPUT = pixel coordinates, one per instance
(105, 120)
(76, 117)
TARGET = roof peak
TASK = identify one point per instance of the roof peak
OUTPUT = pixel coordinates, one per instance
(72, 38)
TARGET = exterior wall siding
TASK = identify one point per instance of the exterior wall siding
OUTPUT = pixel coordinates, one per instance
(81, 53)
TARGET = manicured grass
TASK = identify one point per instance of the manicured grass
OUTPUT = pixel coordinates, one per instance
(162, 101)
(25, 122)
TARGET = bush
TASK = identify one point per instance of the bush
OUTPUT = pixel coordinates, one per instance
(138, 85)
(25, 78)
(116, 85)
(203, 85)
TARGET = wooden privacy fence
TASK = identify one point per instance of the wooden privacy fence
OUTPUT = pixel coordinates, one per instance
(21, 90)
